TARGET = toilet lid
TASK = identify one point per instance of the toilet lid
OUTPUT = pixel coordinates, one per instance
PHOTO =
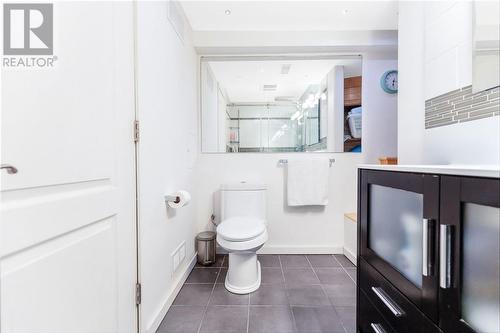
(239, 229)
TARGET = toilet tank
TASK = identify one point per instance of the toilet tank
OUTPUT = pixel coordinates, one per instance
(243, 199)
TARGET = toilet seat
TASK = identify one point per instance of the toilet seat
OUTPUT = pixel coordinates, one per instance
(241, 229)
(242, 234)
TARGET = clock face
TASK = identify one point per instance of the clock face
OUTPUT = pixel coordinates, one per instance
(389, 82)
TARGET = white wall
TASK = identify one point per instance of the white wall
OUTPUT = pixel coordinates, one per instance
(222, 121)
(335, 100)
(380, 111)
(167, 110)
(306, 229)
(411, 100)
(447, 46)
(291, 230)
(210, 116)
(436, 39)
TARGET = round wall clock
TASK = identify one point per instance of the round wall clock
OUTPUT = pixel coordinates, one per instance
(389, 81)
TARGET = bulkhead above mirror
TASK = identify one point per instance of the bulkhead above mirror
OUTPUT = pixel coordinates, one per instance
(281, 104)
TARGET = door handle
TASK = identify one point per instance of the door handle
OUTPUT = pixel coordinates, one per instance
(428, 247)
(10, 169)
(391, 305)
(445, 255)
(377, 328)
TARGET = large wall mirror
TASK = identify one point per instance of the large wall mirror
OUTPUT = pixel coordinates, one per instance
(486, 50)
(281, 104)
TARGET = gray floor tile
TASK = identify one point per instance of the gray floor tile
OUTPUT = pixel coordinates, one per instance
(352, 273)
(322, 319)
(219, 259)
(333, 276)
(222, 276)
(194, 294)
(290, 299)
(293, 260)
(348, 317)
(221, 296)
(323, 260)
(341, 294)
(225, 319)
(182, 319)
(269, 294)
(203, 275)
(271, 275)
(295, 276)
(269, 260)
(344, 261)
(270, 319)
(307, 295)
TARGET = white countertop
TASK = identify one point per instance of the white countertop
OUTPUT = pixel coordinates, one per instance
(490, 171)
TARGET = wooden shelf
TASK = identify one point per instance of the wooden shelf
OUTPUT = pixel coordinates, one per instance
(352, 91)
(352, 216)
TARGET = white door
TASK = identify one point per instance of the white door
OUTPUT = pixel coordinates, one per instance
(67, 244)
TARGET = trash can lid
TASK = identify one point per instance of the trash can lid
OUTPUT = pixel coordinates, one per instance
(206, 235)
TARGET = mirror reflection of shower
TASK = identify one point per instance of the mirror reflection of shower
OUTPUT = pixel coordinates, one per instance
(281, 104)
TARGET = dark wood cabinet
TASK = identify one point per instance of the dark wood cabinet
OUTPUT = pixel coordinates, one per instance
(469, 254)
(415, 234)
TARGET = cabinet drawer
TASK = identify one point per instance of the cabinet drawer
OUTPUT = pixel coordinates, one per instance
(394, 306)
(369, 319)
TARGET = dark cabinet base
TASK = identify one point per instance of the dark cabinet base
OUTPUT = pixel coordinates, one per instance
(447, 224)
(395, 311)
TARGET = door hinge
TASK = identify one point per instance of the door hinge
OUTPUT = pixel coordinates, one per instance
(138, 294)
(136, 130)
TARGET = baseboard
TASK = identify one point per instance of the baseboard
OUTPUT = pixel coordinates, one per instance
(177, 285)
(278, 249)
(351, 256)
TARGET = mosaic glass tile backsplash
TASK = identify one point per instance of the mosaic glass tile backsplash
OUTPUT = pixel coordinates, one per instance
(461, 105)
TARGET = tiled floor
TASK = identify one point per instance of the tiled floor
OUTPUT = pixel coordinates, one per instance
(301, 294)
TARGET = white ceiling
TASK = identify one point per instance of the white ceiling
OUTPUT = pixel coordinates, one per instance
(258, 15)
(243, 80)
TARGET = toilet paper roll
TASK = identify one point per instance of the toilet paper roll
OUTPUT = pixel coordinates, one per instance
(184, 197)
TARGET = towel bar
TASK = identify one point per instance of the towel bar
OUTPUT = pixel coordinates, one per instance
(285, 161)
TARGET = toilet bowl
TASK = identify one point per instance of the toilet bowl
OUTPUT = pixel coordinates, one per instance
(241, 237)
(242, 232)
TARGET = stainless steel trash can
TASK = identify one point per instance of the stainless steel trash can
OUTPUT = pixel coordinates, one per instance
(205, 245)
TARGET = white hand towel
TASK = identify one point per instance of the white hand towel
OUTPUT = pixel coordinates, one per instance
(307, 183)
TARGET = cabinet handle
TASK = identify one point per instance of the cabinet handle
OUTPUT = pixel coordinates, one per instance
(391, 305)
(427, 247)
(445, 255)
(377, 328)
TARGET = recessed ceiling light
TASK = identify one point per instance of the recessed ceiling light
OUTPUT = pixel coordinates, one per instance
(345, 11)
(228, 12)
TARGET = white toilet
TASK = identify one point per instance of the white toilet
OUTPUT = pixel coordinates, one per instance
(242, 231)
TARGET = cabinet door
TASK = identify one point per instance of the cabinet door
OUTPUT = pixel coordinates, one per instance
(398, 232)
(470, 255)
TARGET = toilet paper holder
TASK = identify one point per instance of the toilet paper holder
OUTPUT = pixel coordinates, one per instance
(172, 198)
